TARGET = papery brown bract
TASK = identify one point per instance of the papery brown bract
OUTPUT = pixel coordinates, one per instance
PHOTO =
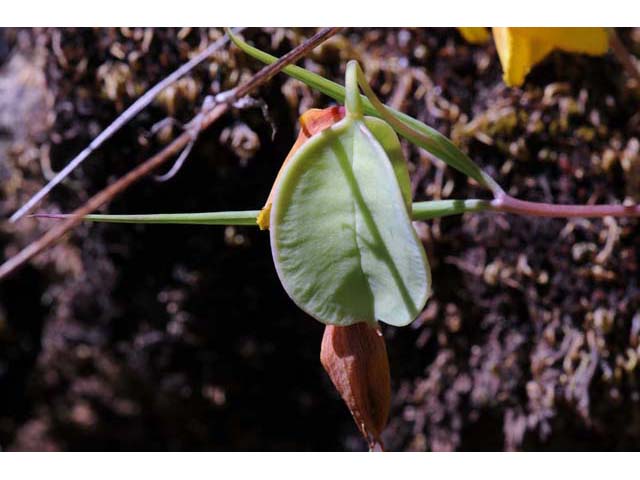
(355, 357)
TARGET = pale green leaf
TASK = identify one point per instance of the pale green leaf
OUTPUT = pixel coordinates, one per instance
(341, 235)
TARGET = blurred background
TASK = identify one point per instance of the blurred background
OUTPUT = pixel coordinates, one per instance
(131, 337)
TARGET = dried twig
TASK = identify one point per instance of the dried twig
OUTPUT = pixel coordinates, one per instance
(194, 131)
(137, 106)
(221, 104)
(629, 63)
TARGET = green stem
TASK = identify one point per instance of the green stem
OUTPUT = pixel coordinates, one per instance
(438, 145)
(421, 211)
(442, 208)
(353, 101)
(245, 217)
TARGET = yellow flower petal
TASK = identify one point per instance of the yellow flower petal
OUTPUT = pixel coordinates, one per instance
(520, 48)
(475, 35)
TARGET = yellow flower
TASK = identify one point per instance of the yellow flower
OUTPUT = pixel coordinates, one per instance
(475, 35)
(521, 48)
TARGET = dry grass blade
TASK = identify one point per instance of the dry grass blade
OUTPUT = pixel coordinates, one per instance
(208, 117)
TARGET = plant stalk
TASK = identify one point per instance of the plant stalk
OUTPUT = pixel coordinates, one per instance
(421, 211)
(507, 204)
(442, 208)
(243, 217)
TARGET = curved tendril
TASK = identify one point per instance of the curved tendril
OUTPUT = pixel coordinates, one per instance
(410, 133)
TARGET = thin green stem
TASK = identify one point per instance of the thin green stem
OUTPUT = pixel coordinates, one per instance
(442, 208)
(421, 211)
(244, 217)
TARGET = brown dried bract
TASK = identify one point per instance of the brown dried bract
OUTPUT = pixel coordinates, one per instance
(355, 358)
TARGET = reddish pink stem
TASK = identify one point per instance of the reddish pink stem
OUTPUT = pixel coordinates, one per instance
(507, 204)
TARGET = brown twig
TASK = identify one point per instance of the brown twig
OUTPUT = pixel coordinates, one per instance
(209, 116)
(629, 63)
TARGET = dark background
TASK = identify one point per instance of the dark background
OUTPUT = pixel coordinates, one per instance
(129, 337)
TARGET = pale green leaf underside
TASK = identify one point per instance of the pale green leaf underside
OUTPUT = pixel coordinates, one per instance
(388, 139)
(341, 235)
